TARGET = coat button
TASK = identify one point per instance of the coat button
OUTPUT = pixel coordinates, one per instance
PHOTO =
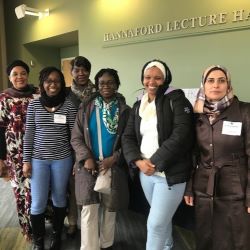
(211, 145)
(211, 163)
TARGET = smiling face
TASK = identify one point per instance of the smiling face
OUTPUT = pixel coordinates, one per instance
(52, 85)
(153, 78)
(107, 87)
(18, 77)
(80, 75)
(216, 86)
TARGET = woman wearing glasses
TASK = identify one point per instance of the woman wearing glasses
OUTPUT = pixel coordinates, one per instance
(219, 188)
(113, 114)
(48, 154)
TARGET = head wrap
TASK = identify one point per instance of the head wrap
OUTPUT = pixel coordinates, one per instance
(213, 109)
(158, 65)
(165, 71)
(17, 63)
(208, 70)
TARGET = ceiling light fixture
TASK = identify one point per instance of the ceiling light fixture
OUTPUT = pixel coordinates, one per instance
(23, 10)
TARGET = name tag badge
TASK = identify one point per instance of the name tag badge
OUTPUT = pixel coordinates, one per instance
(60, 119)
(36, 96)
(231, 128)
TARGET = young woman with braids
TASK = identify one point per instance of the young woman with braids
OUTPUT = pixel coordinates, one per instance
(48, 154)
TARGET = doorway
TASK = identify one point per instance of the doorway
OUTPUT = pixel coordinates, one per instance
(66, 69)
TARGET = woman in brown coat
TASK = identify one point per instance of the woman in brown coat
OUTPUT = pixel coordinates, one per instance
(113, 113)
(219, 188)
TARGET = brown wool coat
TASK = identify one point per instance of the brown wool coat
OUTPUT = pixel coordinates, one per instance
(84, 181)
(221, 182)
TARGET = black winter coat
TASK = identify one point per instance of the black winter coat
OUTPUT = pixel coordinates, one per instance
(175, 132)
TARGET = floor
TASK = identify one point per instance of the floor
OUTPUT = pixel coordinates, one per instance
(130, 229)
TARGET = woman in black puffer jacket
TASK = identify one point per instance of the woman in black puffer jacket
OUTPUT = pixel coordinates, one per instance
(158, 141)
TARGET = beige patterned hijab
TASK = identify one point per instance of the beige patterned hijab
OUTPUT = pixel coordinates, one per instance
(213, 109)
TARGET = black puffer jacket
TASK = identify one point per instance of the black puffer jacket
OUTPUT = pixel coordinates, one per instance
(175, 132)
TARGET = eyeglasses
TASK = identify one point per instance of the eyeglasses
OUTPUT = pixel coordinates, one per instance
(107, 84)
(221, 80)
(50, 81)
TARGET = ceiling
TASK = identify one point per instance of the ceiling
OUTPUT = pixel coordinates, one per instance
(60, 41)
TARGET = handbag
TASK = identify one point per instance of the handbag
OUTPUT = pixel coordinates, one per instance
(103, 181)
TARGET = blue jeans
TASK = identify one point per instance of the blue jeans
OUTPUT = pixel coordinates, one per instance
(53, 174)
(163, 201)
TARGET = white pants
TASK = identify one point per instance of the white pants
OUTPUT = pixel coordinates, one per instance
(90, 230)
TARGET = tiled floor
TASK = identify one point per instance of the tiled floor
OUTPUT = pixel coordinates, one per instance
(130, 229)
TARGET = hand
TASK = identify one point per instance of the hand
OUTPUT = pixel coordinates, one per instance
(27, 169)
(146, 166)
(106, 163)
(2, 167)
(90, 166)
(248, 210)
(189, 200)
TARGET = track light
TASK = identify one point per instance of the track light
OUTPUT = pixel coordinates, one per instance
(23, 10)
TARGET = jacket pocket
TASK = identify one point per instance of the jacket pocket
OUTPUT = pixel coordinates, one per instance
(242, 173)
(84, 187)
(201, 177)
(228, 183)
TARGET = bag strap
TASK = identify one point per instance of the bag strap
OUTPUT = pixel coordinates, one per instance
(99, 134)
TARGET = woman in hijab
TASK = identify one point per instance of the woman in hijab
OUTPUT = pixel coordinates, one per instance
(157, 142)
(219, 187)
(13, 108)
(48, 154)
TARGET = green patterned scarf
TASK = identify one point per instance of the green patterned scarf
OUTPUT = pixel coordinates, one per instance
(111, 123)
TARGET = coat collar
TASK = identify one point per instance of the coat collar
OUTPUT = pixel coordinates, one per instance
(232, 110)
